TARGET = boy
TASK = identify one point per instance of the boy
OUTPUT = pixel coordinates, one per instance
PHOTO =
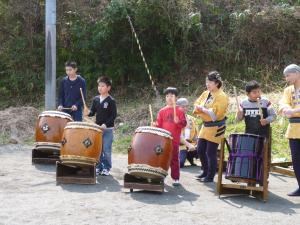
(70, 100)
(104, 106)
(289, 106)
(252, 108)
(187, 148)
(174, 124)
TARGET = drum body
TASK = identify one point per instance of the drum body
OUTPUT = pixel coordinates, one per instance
(245, 157)
(49, 129)
(81, 143)
(150, 153)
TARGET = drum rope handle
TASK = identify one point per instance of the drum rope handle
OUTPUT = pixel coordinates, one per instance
(142, 54)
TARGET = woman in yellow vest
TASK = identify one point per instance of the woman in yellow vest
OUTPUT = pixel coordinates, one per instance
(211, 107)
(290, 107)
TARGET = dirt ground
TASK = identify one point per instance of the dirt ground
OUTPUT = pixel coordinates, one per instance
(29, 195)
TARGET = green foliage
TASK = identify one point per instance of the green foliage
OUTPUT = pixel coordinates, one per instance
(180, 40)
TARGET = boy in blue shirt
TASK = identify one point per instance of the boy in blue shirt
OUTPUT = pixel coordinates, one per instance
(69, 92)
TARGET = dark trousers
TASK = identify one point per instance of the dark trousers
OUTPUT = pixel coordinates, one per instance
(187, 155)
(207, 152)
(76, 115)
(295, 152)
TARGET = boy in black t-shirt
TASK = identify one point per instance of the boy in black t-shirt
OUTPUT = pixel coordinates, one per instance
(104, 106)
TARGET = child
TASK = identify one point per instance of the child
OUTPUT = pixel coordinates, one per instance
(290, 107)
(69, 93)
(187, 150)
(174, 124)
(104, 106)
(250, 111)
(211, 107)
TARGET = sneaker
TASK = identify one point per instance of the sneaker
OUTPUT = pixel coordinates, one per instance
(105, 172)
(206, 180)
(202, 175)
(176, 183)
(98, 171)
(294, 193)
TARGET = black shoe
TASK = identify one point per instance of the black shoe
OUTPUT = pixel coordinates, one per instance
(202, 175)
(294, 193)
(207, 180)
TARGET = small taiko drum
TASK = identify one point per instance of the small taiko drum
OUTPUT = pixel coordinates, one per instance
(81, 143)
(150, 153)
(245, 157)
(49, 129)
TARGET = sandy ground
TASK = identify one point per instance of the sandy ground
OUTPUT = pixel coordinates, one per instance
(29, 195)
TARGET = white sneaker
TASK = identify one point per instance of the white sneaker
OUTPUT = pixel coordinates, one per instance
(105, 172)
(176, 183)
(98, 171)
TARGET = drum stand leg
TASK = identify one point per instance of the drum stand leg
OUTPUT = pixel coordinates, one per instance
(132, 182)
(248, 188)
(45, 156)
(75, 174)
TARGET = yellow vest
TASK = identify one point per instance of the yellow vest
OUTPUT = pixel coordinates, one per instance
(218, 103)
(289, 100)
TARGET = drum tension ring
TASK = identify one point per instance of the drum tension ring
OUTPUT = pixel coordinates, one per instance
(64, 141)
(45, 128)
(129, 148)
(87, 142)
(158, 150)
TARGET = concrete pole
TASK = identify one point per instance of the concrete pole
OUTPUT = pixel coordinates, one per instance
(50, 57)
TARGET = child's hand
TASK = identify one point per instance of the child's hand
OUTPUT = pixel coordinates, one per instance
(263, 122)
(74, 108)
(103, 126)
(59, 108)
(86, 111)
(287, 112)
(190, 147)
(154, 124)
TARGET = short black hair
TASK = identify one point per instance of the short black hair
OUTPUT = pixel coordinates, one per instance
(252, 85)
(216, 77)
(171, 90)
(72, 64)
(105, 79)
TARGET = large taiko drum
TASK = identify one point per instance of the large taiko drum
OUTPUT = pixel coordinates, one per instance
(49, 129)
(81, 143)
(245, 157)
(150, 153)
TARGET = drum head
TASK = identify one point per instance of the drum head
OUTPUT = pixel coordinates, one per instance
(154, 130)
(56, 114)
(83, 125)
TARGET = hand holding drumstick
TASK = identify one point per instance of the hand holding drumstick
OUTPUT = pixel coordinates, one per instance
(176, 120)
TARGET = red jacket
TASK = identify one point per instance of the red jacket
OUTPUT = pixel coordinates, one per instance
(165, 120)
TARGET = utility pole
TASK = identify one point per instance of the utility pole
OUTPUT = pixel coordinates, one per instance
(50, 57)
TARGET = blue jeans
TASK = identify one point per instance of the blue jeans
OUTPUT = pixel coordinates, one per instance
(105, 158)
(187, 155)
(76, 115)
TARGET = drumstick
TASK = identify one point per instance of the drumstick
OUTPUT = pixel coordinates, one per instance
(260, 109)
(84, 105)
(174, 108)
(88, 120)
(151, 114)
(66, 108)
(236, 98)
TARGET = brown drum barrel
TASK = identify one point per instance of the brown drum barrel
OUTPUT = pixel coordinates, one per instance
(150, 153)
(81, 143)
(49, 129)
